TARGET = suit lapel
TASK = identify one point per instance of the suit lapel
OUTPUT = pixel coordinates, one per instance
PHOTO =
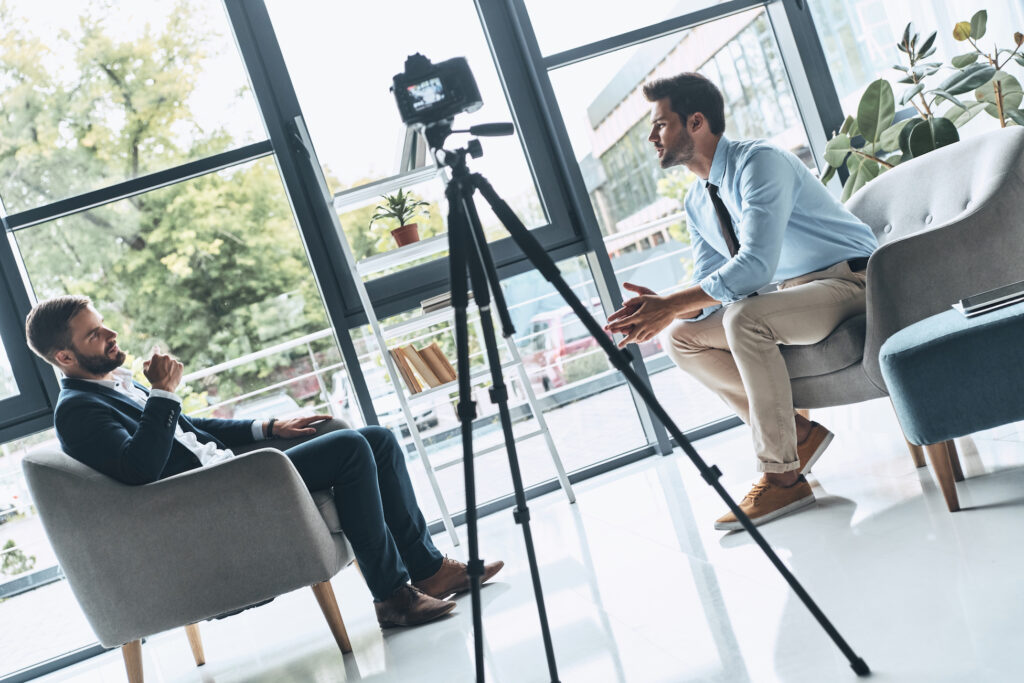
(91, 387)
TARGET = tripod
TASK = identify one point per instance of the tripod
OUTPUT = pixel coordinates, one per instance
(468, 252)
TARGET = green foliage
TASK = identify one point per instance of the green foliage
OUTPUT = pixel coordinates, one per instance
(674, 185)
(212, 268)
(400, 207)
(14, 560)
(873, 141)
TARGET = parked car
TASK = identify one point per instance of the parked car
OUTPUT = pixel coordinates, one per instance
(557, 340)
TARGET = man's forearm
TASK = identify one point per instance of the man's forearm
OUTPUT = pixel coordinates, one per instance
(689, 302)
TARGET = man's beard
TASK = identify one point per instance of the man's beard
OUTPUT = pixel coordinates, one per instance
(679, 155)
(100, 364)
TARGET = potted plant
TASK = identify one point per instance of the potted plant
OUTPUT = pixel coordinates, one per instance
(879, 137)
(401, 207)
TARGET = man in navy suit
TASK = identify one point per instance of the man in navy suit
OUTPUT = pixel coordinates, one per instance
(137, 435)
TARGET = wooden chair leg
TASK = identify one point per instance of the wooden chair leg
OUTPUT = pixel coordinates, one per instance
(132, 653)
(195, 641)
(329, 606)
(805, 413)
(917, 453)
(954, 461)
(939, 456)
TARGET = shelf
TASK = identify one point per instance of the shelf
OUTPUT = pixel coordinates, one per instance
(448, 386)
(400, 255)
(489, 449)
(423, 320)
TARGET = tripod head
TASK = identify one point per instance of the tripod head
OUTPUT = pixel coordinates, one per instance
(437, 133)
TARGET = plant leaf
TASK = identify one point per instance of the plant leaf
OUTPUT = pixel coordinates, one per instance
(960, 61)
(946, 96)
(961, 116)
(908, 79)
(927, 53)
(906, 34)
(967, 79)
(1019, 59)
(890, 138)
(849, 126)
(909, 93)
(978, 22)
(934, 133)
(900, 67)
(1012, 94)
(876, 109)
(904, 137)
(1016, 115)
(865, 170)
(962, 30)
(1018, 38)
(828, 175)
(927, 44)
(837, 149)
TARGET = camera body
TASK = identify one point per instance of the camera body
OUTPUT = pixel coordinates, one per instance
(429, 93)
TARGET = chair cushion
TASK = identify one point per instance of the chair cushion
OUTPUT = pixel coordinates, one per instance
(325, 504)
(949, 375)
(839, 350)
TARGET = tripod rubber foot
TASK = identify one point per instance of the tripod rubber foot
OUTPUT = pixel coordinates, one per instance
(860, 667)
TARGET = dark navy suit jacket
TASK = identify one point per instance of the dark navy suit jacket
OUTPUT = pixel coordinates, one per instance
(111, 433)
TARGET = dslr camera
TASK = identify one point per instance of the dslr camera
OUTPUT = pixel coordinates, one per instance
(429, 94)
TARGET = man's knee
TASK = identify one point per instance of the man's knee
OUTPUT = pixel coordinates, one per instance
(350, 447)
(741, 316)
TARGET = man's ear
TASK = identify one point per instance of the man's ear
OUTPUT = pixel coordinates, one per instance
(64, 358)
(697, 121)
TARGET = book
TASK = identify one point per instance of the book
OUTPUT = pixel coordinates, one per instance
(405, 371)
(993, 299)
(438, 362)
(441, 301)
(420, 365)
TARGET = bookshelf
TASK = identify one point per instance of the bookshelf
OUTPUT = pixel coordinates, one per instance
(386, 336)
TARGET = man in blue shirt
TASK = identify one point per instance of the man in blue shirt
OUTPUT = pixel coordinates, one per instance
(758, 217)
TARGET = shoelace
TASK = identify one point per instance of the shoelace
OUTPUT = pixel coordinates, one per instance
(756, 492)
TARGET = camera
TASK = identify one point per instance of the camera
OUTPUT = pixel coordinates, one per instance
(429, 93)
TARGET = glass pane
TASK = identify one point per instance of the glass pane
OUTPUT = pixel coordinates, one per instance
(8, 387)
(108, 91)
(352, 117)
(570, 23)
(570, 376)
(638, 205)
(859, 38)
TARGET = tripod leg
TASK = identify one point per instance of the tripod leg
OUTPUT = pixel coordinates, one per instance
(459, 238)
(620, 360)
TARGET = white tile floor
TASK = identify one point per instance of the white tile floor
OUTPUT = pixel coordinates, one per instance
(640, 588)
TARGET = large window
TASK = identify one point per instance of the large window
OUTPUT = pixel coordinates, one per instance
(95, 93)
(8, 387)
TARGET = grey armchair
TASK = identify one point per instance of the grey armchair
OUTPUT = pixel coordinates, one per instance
(949, 225)
(211, 541)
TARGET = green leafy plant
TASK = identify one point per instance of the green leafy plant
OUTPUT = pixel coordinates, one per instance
(14, 560)
(401, 207)
(873, 141)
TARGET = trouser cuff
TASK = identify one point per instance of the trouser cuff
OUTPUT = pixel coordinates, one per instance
(778, 467)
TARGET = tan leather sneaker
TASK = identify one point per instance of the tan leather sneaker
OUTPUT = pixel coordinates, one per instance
(811, 448)
(408, 606)
(452, 578)
(767, 501)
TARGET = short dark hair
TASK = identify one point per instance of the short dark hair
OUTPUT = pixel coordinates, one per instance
(48, 325)
(689, 93)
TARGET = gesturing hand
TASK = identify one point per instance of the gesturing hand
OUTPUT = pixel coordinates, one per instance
(298, 426)
(163, 371)
(641, 317)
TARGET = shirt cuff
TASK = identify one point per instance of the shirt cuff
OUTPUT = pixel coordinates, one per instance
(714, 286)
(160, 393)
(257, 431)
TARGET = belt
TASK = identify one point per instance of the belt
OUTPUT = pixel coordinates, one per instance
(858, 264)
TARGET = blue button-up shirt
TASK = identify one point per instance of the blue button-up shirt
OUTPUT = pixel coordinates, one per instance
(787, 223)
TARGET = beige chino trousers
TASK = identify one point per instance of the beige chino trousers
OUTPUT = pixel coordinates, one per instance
(735, 352)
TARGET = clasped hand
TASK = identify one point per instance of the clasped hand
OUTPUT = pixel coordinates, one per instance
(298, 426)
(163, 371)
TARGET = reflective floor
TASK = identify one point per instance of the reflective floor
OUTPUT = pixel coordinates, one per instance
(639, 587)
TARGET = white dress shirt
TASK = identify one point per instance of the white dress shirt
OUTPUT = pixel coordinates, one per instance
(208, 453)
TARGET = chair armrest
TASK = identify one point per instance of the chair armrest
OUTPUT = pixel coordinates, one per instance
(197, 545)
(925, 273)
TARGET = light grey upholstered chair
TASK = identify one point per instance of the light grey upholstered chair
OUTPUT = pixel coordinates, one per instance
(211, 541)
(949, 224)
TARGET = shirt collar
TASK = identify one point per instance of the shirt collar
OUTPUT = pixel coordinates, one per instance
(122, 376)
(719, 162)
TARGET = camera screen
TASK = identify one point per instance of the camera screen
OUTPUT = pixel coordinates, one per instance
(426, 94)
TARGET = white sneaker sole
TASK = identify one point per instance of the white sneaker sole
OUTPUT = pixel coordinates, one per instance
(817, 454)
(775, 514)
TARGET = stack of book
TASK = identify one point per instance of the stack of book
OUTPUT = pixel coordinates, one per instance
(429, 364)
(991, 300)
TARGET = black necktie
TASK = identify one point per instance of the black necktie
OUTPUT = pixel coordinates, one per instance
(724, 220)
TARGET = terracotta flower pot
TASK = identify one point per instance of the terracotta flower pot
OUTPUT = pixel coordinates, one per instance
(406, 234)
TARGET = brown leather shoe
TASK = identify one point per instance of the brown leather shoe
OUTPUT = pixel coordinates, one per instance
(767, 501)
(452, 578)
(408, 606)
(811, 448)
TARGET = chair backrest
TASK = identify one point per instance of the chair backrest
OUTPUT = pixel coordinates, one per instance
(941, 187)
